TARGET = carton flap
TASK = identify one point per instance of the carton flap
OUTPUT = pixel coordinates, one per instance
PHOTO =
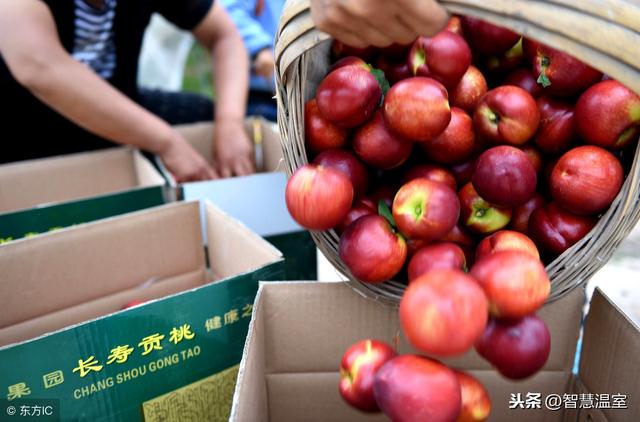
(85, 262)
(268, 218)
(146, 174)
(610, 359)
(233, 248)
(254, 386)
(33, 182)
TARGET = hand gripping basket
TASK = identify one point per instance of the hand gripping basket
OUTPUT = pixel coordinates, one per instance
(605, 34)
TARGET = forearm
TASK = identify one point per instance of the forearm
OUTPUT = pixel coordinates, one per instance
(231, 77)
(83, 97)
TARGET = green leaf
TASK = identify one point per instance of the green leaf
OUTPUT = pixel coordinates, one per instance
(382, 80)
(543, 80)
(384, 211)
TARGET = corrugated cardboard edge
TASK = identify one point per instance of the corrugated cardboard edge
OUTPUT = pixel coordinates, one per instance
(146, 174)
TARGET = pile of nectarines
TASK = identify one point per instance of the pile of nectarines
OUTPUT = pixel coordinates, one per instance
(458, 165)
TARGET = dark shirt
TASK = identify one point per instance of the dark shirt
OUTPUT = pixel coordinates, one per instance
(33, 129)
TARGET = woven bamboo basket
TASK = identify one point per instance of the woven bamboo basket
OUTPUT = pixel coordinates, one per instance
(605, 34)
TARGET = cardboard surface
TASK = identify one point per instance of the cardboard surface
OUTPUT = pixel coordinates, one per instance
(230, 240)
(610, 359)
(317, 399)
(208, 399)
(300, 330)
(29, 183)
(256, 200)
(300, 317)
(126, 364)
(264, 134)
(96, 308)
(42, 219)
(94, 260)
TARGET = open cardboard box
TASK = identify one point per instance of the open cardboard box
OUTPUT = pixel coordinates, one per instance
(299, 331)
(26, 184)
(61, 295)
(256, 200)
(264, 134)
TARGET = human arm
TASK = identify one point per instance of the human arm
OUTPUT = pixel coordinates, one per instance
(233, 149)
(31, 48)
(259, 43)
(361, 23)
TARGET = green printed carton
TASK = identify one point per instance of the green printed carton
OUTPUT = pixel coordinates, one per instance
(41, 195)
(69, 351)
(256, 200)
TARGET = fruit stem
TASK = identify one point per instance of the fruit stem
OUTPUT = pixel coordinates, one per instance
(543, 80)
(625, 136)
(494, 117)
(420, 59)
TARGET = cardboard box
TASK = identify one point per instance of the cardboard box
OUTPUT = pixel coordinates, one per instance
(65, 337)
(257, 200)
(109, 182)
(26, 184)
(42, 219)
(299, 331)
(265, 136)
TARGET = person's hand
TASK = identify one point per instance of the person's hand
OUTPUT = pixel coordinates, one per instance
(233, 151)
(184, 162)
(362, 23)
(264, 64)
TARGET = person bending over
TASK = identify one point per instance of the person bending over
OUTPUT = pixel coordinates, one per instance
(68, 82)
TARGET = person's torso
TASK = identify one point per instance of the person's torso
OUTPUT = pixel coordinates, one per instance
(105, 35)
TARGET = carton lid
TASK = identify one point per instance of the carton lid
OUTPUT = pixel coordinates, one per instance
(610, 360)
(29, 183)
(300, 330)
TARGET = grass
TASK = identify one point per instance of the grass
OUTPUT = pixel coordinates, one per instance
(197, 72)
